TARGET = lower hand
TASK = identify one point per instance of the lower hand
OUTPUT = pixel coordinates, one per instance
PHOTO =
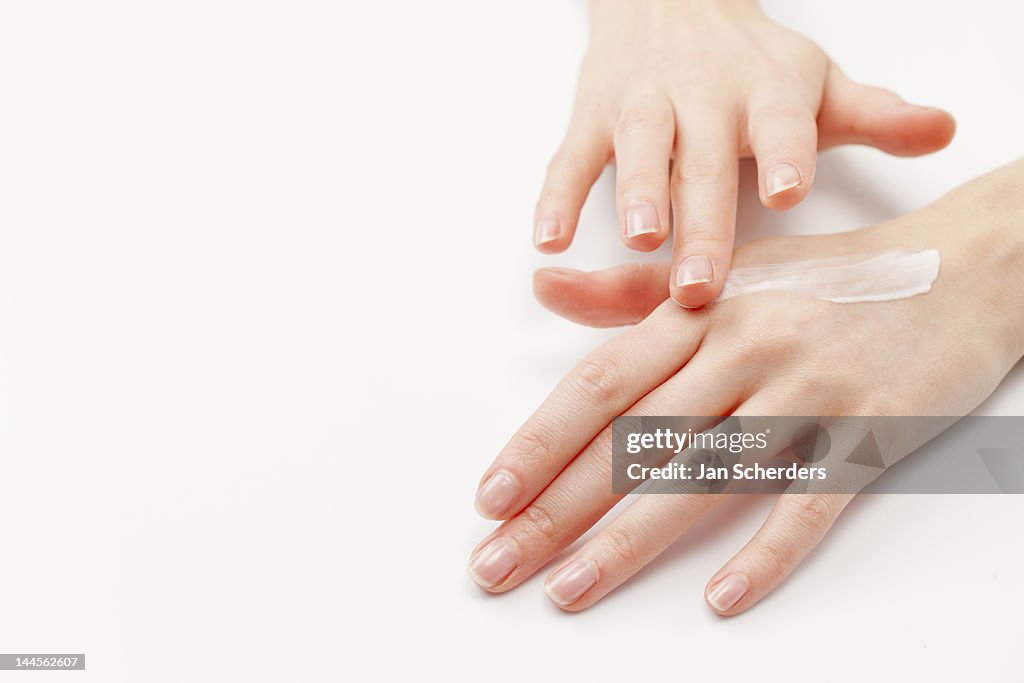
(940, 353)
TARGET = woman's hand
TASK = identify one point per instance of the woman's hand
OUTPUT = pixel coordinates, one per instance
(939, 353)
(677, 92)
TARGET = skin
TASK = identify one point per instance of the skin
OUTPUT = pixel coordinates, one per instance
(676, 92)
(940, 353)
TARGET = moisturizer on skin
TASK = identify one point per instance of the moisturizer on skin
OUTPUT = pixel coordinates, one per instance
(851, 279)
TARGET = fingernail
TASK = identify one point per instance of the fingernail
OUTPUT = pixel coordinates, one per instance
(781, 177)
(728, 592)
(494, 497)
(547, 231)
(568, 584)
(493, 563)
(694, 270)
(641, 219)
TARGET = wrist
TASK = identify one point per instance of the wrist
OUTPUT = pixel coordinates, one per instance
(979, 231)
(982, 244)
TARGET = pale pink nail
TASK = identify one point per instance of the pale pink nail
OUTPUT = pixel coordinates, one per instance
(493, 563)
(728, 592)
(497, 493)
(781, 177)
(547, 231)
(694, 270)
(568, 584)
(641, 219)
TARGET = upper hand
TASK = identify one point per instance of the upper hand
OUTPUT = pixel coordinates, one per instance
(676, 93)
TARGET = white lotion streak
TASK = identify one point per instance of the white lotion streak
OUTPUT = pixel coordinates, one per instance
(848, 279)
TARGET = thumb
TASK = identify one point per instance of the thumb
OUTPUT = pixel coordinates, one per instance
(854, 113)
(623, 295)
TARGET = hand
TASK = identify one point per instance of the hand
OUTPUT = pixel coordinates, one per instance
(677, 92)
(939, 353)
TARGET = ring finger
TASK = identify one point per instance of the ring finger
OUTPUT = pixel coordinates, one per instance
(643, 145)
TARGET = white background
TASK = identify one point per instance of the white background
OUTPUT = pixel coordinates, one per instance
(265, 316)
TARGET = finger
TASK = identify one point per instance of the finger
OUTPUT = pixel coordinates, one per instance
(623, 295)
(643, 144)
(633, 539)
(784, 139)
(794, 527)
(575, 167)
(853, 113)
(604, 385)
(629, 542)
(582, 493)
(704, 183)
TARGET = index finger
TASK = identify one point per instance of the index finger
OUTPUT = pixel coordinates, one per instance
(603, 386)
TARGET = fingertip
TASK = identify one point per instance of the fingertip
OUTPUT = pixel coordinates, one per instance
(911, 130)
(922, 130)
(623, 295)
(695, 282)
(492, 563)
(553, 247)
(563, 291)
(941, 130)
(497, 494)
(552, 235)
(694, 296)
(548, 281)
(725, 595)
(569, 585)
(646, 242)
(643, 228)
(784, 185)
(570, 609)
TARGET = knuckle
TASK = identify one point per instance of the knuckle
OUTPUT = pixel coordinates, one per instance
(554, 198)
(539, 520)
(813, 513)
(747, 350)
(633, 181)
(531, 446)
(637, 120)
(568, 161)
(781, 337)
(620, 543)
(772, 558)
(699, 169)
(696, 504)
(597, 378)
(773, 329)
(632, 274)
(786, 111)
(591, 108)
(704, 230)
(700, 74)
(819, 382)
(880, 404)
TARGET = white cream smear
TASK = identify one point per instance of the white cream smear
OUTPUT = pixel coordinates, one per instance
(850, 279)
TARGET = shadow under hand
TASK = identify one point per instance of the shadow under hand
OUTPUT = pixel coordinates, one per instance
(845, 196)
